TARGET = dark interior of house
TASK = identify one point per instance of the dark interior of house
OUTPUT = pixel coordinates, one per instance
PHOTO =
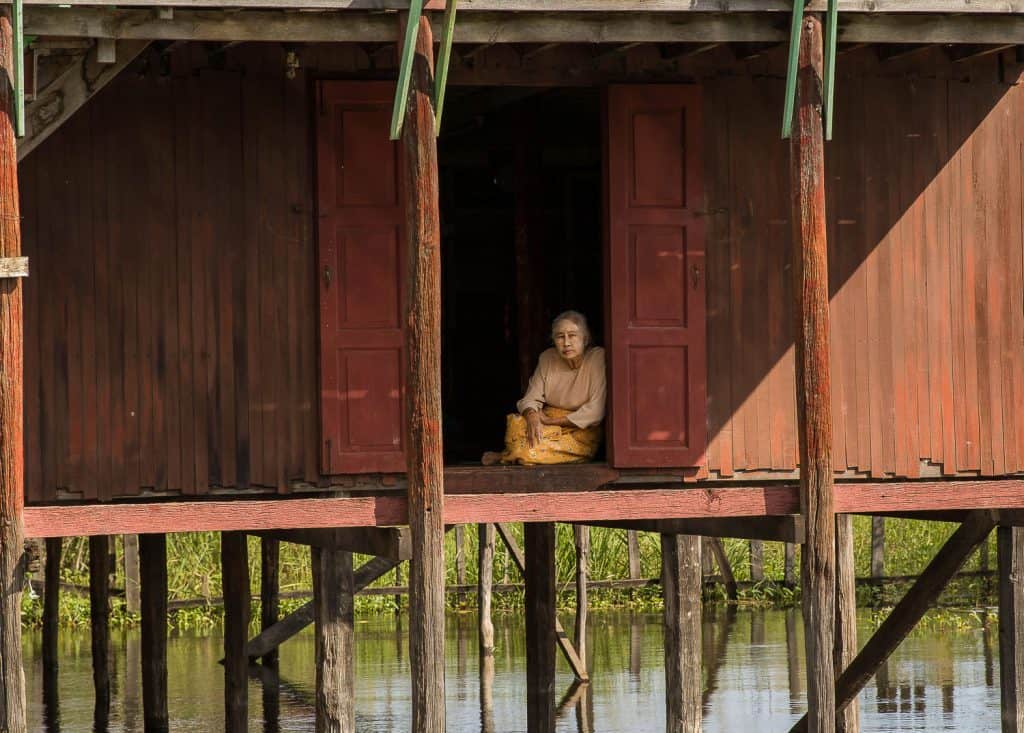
(521, 241)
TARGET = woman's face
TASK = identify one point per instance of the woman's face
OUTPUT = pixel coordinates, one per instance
(568, 339)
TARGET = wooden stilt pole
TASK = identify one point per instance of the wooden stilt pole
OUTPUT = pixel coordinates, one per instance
(99, 619)
(793, 657)
(848, 720)
(789, 565)
(270, 600)
(51, 601)
(1011, 627)
(539, 544)
(582, 538)
(131, 572)
(902, 619)
(333, 589)
(153, 599)
(813, 388)
(485, 579)
(633, 553)
(877, 547)
(234, 561)
(423, 398)
(12, 458)
(756, 561)
(681, 584)
(460, 557)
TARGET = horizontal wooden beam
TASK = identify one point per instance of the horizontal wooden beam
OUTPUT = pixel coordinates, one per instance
(623, 504)
(773, 529)
(582, 6)
(389, 542)
(494, 27)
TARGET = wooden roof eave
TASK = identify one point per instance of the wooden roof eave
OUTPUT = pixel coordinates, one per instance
(523, 27)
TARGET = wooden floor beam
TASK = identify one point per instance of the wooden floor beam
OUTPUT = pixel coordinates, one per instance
(390, 542)
(275, 25)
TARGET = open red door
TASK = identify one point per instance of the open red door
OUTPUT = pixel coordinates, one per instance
(361, 274)
(655, 265)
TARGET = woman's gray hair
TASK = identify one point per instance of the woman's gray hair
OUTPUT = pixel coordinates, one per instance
(573, 317)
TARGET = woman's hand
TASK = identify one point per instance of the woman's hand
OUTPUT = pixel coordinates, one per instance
(562, 422)
(534, 427)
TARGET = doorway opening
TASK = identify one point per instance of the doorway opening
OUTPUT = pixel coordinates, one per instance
(521, 241)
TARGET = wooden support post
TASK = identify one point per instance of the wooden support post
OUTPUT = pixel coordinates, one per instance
(270, 599)
(681, 584)
(813, 388)
(707, 562)
(756, 561)
(1011, 626)
(902, 619)
(848, 720)
(12, 457)
(234, 561)
(333, 594)
(540, 627)
(153, 599)
(99, 619)
(877, 547)
(131, 573)
(460, 556)
(423, 399)
(582, 541)
(633, 551)
(789, 565)
(485, 579)
(51, 601)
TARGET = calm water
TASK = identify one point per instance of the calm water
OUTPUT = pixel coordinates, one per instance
(753, 666)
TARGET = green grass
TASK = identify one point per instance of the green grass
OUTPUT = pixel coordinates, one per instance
(194, 572)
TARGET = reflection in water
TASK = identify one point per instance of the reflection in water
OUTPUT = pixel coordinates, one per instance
(753, 662)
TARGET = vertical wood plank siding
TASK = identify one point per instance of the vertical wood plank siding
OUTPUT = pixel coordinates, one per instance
(171, 318)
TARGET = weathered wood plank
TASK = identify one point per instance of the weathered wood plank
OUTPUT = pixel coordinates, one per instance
(602, 6)
(67, 93)
(813, 387)
(13, 267)
(588, 507)
(525, 27)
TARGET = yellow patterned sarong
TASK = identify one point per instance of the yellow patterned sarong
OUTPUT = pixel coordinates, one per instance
(559, 445)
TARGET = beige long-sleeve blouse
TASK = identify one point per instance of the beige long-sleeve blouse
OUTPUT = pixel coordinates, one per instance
(581, 390)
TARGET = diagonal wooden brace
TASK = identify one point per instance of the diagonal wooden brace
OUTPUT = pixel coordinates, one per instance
(911, 608)
(568, 650)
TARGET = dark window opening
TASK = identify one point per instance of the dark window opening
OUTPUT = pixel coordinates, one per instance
(521, 240)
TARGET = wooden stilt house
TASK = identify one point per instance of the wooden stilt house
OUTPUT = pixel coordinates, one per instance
(251, 310)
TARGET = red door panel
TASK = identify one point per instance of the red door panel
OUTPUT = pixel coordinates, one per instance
(361, 262)
(655, 239)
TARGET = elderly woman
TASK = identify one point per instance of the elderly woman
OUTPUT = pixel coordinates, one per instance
(560, 415)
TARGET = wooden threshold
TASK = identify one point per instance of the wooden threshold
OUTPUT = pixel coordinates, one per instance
(663, 501)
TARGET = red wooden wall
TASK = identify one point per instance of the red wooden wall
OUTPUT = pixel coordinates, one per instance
(171, 318)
